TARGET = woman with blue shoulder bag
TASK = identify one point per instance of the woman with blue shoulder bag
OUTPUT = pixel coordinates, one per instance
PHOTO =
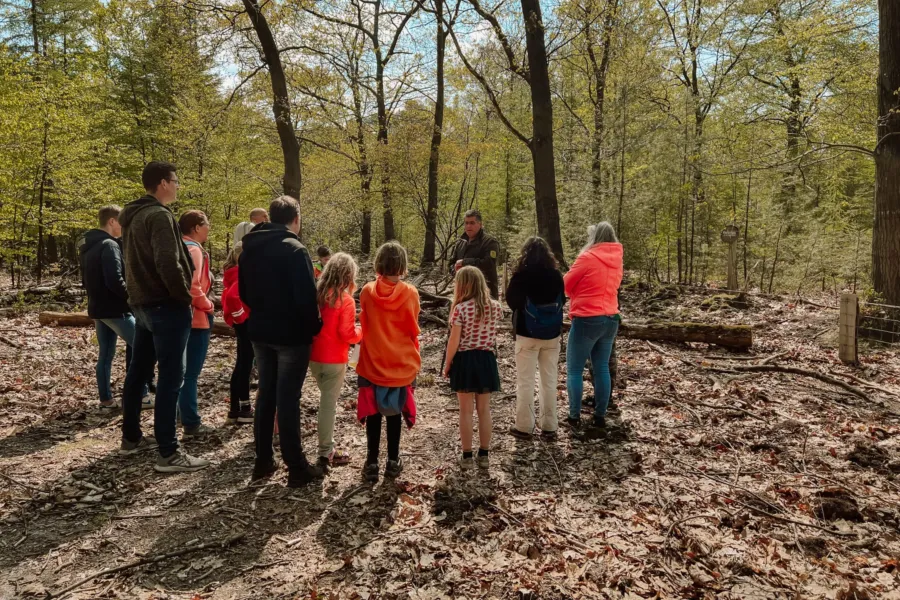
(536, 297)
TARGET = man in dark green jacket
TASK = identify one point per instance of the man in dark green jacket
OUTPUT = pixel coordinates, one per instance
(477, 249)
(158, 273)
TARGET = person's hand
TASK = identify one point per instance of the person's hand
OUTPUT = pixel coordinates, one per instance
(447, 371)
(459, 265)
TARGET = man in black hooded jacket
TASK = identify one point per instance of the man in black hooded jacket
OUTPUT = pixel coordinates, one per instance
(103, 278)
(276, 281)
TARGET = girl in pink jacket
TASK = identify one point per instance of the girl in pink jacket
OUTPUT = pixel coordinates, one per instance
(592, 286)
(195, 230)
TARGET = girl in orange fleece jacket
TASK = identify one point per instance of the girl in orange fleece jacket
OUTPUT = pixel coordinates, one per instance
(330, 349)
(389, 357)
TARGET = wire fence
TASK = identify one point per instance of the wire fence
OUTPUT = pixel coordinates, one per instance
(879, 324)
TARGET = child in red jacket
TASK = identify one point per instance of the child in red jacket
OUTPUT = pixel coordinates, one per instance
(331, 347)
(236, 314)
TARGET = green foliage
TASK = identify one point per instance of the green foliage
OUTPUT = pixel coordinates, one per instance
(90, 91)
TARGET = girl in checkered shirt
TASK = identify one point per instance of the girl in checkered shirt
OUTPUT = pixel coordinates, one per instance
(471, 362)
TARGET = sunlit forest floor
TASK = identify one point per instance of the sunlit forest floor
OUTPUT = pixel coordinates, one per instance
(709, 483)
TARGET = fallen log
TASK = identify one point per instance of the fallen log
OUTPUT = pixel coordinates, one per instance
(734, 337)
(737, 337)
(61, 319)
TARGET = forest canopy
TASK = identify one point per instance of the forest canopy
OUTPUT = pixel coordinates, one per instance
(671, 119)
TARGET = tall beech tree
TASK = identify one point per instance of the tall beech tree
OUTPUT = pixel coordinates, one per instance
(540, 144)
(281, 101)
(886, 234)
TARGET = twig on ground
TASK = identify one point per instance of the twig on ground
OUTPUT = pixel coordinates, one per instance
(672, 355)
(734, 408)
(434, 319)
(9, 342)
(796, 371)
(774, 357)
(148, 560)
(19, 483)
(682, 521)
(793, 521)
(865, 383)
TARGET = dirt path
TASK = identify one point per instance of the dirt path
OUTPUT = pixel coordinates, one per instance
(707, 485)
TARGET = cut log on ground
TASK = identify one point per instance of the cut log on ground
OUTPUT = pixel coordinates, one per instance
(734, 337)
(61, 319)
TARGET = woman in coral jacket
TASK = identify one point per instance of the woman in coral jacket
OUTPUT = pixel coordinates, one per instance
(236, 313)
(195, 231)
(592, 285)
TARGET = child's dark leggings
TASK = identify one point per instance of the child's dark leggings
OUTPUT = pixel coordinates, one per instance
(240, 375)
(373, 436)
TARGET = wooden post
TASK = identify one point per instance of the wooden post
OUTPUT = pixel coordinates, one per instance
(847, 349)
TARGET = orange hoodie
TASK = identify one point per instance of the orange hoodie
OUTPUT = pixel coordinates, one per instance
(389, 315)
(593, 282)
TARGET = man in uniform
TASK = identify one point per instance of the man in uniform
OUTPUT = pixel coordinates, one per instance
(477, 249)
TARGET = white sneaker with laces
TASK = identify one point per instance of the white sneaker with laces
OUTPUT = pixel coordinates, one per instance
(180, 462)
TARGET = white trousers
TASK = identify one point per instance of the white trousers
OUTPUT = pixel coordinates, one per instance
(542, 356)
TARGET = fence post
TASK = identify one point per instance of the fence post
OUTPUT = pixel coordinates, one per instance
(847, 329)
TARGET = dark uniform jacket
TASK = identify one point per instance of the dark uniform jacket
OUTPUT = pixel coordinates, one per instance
(482, 252)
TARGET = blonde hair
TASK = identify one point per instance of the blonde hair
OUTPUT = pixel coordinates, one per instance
(233, 255)
(390, 260)
(338, 276)
(471, 285)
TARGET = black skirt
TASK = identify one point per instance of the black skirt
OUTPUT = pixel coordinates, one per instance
(475, 372)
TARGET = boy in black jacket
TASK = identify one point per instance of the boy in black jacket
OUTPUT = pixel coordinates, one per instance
(103, 278)
(276, 281)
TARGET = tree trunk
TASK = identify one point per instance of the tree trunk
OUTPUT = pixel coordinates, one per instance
(546, 205)
(382, 149)
(600, 72)
(735, 337)
(281, 103)
(886, 232)
(428, 253)
(62, 319)
(365, 245)
(622, 162)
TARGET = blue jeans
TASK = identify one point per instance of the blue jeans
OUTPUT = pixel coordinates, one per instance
(195, 356)
(161, 335)
(590, 337)
(282, 370)
(108, 331)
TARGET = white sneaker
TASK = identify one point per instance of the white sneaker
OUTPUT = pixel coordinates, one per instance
(180, 462)
(147, 403)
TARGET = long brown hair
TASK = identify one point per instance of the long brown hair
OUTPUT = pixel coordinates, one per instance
(535, 253)
(233, 255)
(338, 276)
(471, 285)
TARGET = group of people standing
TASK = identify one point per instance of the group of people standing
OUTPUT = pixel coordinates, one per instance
(153, 288)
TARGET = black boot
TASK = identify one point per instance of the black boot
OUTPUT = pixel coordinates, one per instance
(302, 477)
